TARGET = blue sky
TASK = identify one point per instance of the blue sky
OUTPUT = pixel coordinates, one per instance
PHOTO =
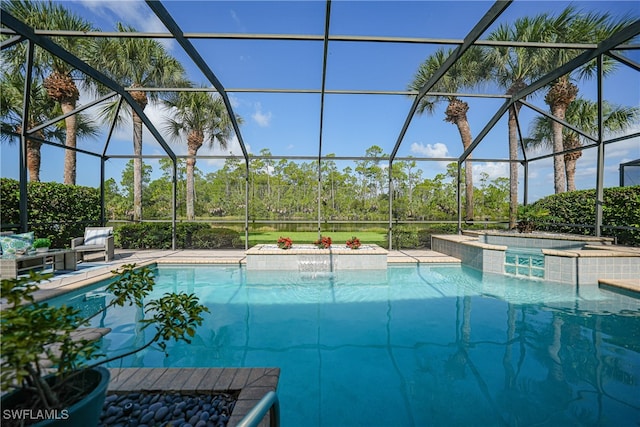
(288, 124)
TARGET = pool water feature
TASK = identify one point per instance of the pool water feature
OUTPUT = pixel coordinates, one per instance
(314, 264)
(412, 345)
(304, 257)
(524, 262)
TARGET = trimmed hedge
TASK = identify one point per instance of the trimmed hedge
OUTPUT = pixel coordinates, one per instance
(404, 237)
(189, 235)
(57, 211)
(424, 235)
(621, 208)
(409, 237)
(216, 238)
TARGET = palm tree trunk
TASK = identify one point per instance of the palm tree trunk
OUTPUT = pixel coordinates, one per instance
(465, 135)
(456, 113)
(194, 142)
(61, 87)
(137, 167)
(570, 160)
(513, 166)
(561, 94)
(191, 162)
(70, 155)
(560, 184)
(33, 159)
(571, 174)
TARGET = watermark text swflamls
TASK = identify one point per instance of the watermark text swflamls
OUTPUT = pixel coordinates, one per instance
(35, 414)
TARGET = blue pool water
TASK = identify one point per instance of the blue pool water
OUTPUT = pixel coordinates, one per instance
(412, 346)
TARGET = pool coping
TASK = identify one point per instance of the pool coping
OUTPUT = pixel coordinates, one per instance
(253, 384)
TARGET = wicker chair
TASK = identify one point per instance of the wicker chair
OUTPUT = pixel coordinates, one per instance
(95, 239)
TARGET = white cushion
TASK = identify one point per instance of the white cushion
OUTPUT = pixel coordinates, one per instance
(96, 236)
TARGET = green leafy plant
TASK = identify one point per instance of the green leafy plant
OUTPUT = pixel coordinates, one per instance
(42, 242)
(529, 216)
(404, 237)
(56, 210)
(620, 213)
(189, 235)
(33, 331)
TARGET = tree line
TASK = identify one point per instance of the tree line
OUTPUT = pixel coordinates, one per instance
(283, 189)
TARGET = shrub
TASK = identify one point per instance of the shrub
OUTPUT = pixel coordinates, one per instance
(158, 235)
(144, 236)
(186, 232)
(424, 234)
(215, 238)
(404, 237)
(621, 208)
(189, 235)
(57, 210)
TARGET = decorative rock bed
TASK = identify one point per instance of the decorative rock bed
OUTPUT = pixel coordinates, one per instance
(167, 409)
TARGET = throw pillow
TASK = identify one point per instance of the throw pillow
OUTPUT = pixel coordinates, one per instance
(97, 236)
(15, 242)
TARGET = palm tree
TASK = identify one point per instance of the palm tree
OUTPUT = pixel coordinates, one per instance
(137, 63)
(465, 73)
(59, 77)
(41, 109)
(573, 27)
(199, 116)
(513, 68)
(582, 114)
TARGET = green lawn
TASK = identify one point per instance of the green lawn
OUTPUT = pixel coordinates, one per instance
(303, 237)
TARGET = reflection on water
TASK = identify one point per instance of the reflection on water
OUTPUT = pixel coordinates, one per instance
(415, 345)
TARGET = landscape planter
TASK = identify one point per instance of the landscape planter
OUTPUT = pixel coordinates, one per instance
(84, 413)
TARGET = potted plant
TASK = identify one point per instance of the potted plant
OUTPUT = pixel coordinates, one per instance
(529, 216)
(354, 243)
(73, 391)
(323, 242)
(285, 243)
(42, 244)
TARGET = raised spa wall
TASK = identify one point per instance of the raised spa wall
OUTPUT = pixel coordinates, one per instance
(310, 259)
(567, 259)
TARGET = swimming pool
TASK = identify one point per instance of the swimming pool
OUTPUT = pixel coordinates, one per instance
(412, 345)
